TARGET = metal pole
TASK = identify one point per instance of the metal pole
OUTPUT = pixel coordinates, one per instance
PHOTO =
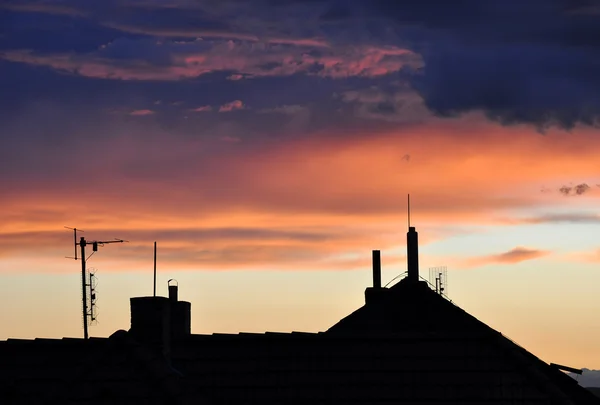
(409, 210)
(75, 240)
(155, 268)
(82, 243)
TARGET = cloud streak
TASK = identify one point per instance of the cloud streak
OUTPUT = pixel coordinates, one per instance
(148, 60)
(142, 112)
(570, 218)
(516, 255)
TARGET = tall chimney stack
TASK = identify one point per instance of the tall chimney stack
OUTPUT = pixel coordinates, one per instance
(376, 269)
(412, 251)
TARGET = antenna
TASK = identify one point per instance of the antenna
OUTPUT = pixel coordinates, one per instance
(438, 278)
(155, 268)
(409, 211)
(93, 281)
(84, 282)
(74, 240)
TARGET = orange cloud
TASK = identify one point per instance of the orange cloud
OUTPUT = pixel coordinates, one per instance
(516, 255)
(217, 248)
(568, 218)
(348, 189)
(592, 256)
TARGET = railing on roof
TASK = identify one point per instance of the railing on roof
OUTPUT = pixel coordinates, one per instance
(401, 276)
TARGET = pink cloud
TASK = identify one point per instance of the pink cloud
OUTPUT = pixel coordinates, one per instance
(232, 106)
(308, 42)
(194, 59)
(203, 108)
(141, 112)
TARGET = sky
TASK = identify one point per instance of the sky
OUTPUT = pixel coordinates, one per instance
(269, 146)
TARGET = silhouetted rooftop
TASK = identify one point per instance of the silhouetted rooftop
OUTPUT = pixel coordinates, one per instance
(409, 346)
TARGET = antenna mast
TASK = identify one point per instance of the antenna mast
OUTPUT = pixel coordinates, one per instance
(409, 211)
(155, 268)
(82, 244)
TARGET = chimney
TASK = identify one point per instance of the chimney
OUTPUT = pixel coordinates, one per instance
(150, 322)
(158, 322)
(375, 293)
(181, 314)
(172, 291)
(376, 269)
(412, 251)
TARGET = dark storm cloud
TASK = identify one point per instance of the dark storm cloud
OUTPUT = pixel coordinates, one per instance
(534, 61)
(531, 61)
(51, 32)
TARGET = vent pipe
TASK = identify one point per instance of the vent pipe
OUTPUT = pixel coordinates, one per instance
(376, 269)
(412, 254)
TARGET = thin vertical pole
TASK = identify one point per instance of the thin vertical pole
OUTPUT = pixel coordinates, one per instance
(409, 210)
(155, 268)
(75, 240)
(82, 243)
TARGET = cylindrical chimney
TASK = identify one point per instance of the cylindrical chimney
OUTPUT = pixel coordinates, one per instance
(181, 316)
(172, 291)
(376, 269)
(150, 321)
(412, 251)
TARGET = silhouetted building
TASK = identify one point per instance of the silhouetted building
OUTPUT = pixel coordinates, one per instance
(406, 345)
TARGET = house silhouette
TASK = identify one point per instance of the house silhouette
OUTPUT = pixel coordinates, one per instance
(406, 345)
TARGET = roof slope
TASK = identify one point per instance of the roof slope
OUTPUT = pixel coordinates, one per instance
(413, 309)
(75, 371)
(409, 346)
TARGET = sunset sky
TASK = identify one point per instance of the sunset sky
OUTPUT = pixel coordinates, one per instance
(269, 146)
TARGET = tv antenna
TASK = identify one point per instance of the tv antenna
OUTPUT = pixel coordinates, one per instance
(93, 280)
(88, 314)
(438, 277)
(74, 240)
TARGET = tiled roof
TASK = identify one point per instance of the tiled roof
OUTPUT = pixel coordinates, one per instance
(111, 370)
(408, 346)
(411, 347)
